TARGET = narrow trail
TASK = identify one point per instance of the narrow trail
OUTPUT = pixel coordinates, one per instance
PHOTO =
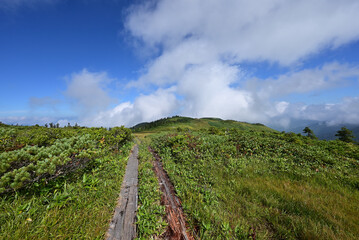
(123, 226)
(175, 217)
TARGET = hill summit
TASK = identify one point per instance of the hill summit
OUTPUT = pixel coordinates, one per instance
(179, 122)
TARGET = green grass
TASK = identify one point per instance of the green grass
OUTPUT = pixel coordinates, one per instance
(234, 179)
(186, 123)
(150, 212)
(280, 186)
(79, 206)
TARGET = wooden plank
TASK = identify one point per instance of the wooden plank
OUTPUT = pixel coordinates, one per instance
(123, 225)
(174, 213)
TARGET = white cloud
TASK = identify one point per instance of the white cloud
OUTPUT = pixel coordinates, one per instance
(281, 107)
(172, 64)
(87, 90)
(343, 112)
(206, 92)
(159, 104)
(277, 30)
(329, 75)
(202, 44)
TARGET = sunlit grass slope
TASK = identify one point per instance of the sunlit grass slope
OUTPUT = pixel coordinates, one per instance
(237, 184)
(187, 123)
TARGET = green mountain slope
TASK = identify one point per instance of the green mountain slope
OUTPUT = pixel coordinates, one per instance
(177, 122)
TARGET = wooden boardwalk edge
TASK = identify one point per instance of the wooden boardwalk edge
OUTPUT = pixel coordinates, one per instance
(123, 225)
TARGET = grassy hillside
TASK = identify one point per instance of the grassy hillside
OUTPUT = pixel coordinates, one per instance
(246, 181)
(235, 180)
(177, 122)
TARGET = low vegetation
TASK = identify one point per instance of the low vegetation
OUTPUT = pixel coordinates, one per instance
(235, 180)
(150, 213)
(263, 185)
(60, 182)
(186, 124)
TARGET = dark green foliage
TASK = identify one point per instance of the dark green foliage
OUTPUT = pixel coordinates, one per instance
(29, 154)
(345, 135)
(16, 137)
(76, 206)
(213, 130)
(60, 183)
(309, 133)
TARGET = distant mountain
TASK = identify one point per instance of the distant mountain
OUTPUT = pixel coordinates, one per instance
(166, 124)
(328, 132)
(321, 129)
(324, 131)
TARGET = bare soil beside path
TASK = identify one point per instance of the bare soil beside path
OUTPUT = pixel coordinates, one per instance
(123, 225)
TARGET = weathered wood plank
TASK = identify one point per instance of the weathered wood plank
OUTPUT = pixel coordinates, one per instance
(122, 226)
(174, 213)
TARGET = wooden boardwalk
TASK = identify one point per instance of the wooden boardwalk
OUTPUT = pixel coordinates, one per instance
(123, 225)
(175, 217)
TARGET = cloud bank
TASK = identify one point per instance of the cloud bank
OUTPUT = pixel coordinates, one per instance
(277, 30)
(208, 91)
(145, 108)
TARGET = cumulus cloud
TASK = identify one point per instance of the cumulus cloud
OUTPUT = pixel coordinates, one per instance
(145, 108)
(283, 31)
(202, 44)
(207, 92)
(88, 91)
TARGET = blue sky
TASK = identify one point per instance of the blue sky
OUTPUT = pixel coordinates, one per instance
(107, 63)
(43, 43)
